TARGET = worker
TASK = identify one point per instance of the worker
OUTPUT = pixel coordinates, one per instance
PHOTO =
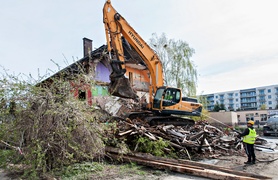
(249, 138)
(168, 96)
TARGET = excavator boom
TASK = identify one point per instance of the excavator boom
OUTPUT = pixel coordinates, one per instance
(119, 85)
(116, 28)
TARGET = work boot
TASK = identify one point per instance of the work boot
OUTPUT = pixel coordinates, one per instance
(253, 162)
(248, 162)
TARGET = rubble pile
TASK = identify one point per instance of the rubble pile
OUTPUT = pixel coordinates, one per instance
(202, 139)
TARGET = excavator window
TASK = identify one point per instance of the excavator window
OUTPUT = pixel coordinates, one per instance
(178, 96)
(171, 96)
(157, 98)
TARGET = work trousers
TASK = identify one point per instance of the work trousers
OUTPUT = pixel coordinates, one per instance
(249, 149)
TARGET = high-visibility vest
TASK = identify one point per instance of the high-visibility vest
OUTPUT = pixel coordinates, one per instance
(168, 97)
(251, 137)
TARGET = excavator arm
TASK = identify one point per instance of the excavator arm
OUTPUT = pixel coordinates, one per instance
(116, 28)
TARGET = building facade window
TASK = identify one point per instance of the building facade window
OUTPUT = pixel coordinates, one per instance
(81, 95)
(269, 90)
(221, 97)
(263, 117)
(261, 92)
(249, 117)
(269, 96)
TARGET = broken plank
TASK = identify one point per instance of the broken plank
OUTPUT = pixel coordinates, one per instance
(191, 167)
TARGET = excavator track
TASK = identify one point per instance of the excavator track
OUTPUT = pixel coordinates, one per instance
(154, 120)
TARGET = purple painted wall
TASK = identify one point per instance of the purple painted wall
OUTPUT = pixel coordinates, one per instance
(102, 73)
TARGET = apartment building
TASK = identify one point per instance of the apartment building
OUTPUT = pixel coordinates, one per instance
(245, 99)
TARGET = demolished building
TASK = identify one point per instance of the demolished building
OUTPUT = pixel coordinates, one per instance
(96, 66)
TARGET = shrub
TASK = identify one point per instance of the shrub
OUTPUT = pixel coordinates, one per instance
(48, 123)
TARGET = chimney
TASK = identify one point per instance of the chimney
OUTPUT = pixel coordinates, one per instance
(87, 46)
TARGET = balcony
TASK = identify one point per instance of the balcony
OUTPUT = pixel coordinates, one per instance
(249, 101)
(248, 95)
(263, 100)
(249, 108)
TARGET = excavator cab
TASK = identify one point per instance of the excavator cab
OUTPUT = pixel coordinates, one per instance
(169, 100)
(166, 96)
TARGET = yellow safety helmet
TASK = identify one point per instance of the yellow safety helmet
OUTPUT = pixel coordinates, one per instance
(250, 122)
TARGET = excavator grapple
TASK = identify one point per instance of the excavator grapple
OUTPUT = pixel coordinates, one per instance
(119, 84)
(121, 87)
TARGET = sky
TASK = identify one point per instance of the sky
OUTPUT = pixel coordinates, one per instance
(235, 42)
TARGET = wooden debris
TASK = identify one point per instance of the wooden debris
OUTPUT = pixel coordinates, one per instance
(201, 139)
(183, 166)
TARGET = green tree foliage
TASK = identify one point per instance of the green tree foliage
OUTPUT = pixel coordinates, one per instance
(263, 107)
(203, 100)
(46, 126)
(218, 107)
(204, 114)
(222, 107)
(146, 145)
(179, 69)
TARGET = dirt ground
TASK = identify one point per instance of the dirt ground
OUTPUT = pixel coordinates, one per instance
(266, 165)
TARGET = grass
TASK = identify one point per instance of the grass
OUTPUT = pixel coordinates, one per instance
(106, 171)
(7, 156)
(85, 170)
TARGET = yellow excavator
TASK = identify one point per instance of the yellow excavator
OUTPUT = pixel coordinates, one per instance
(164, 102)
